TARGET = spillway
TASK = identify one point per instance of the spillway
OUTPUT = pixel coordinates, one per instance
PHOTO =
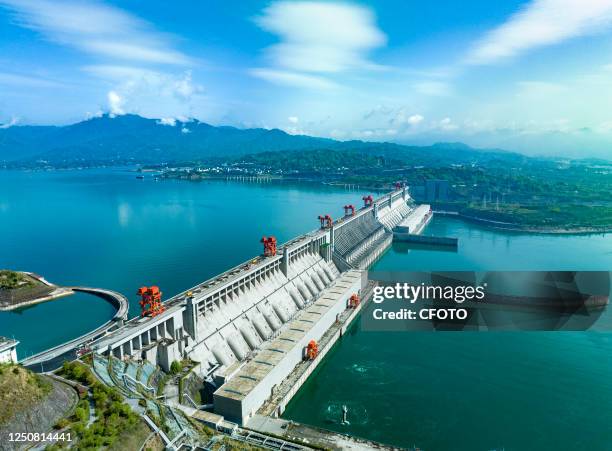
(248, 327)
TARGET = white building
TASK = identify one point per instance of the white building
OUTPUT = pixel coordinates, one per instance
(8, 350)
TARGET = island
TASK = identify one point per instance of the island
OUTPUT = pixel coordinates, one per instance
(20, 289)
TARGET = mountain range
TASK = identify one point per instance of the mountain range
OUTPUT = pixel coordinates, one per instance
(134, 139)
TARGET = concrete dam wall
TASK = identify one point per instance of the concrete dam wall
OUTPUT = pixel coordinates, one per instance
(359, 240)
(248, 326)
(256, 310)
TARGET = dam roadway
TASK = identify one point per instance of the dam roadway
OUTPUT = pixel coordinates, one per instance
(52, 358)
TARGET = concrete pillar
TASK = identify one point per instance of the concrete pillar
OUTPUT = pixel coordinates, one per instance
(190, 319)
(170, 328)
(375, 211)
(284, 266)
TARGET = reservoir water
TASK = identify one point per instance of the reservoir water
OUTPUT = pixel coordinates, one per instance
(105, 228)
(438, 391)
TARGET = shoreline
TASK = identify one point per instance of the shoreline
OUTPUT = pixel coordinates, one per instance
(513, 227)
(59, 292)
(496, 225)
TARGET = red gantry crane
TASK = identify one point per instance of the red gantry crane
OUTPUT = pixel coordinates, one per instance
(349, 208)
(150, 303)
(368, 200)
(269, 246)
(354, 300)
(326, 221)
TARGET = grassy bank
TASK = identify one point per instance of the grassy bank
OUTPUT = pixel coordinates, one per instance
(20, 390)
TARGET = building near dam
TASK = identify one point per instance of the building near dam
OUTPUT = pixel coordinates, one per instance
(250, 326)
(8, 350)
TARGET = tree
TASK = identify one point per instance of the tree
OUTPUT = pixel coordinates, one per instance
(175, 367)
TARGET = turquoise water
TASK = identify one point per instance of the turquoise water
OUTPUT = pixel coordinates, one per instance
(468, 390)
(105, 228)
(439, 391)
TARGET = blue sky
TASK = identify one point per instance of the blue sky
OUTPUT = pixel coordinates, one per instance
(533, 76)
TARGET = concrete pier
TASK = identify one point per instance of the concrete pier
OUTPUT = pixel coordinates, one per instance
(432, 240)
(415, 222)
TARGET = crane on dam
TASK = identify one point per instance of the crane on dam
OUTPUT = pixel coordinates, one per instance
(367, 200)
(349, 210)
(326, 221)
(150, 302)
(269, 244)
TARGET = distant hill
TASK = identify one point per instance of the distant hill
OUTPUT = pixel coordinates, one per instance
(132, 138)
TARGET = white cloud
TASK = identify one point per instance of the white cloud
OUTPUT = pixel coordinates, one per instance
(402, 118)
(115, 103)
(185, 88)
(140, 52)
(293, 119)
(541, 23)
(14, 121)
(293, 79)
(447, 124)
(97, 113)
(415, 119)
(95, 28)
(318, 37)
(28, 81)
(170, 121)
(168, 95)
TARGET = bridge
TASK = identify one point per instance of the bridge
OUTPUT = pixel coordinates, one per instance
(52, 358)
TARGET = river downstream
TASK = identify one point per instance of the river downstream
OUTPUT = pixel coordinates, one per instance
(471, 391)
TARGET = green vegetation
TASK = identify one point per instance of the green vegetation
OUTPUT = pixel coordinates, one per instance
(20, 389)
(10, 280)
(162, 384)
(175, 367)
(568, 216)
(17, 288)
(537, 193)
(115, 420)
(321, 161)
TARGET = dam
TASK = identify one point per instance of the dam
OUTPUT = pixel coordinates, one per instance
(249, 327)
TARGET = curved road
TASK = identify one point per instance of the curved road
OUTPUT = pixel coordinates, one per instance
(52, 358)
